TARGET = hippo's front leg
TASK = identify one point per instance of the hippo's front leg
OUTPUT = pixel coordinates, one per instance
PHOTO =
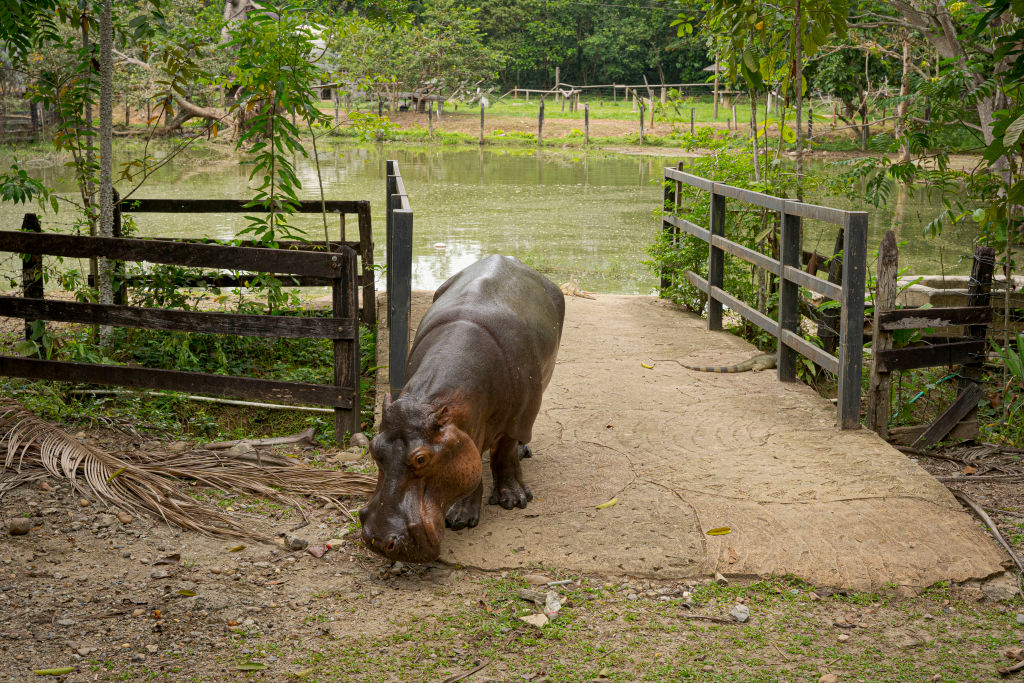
(509, 489)
(465, 512)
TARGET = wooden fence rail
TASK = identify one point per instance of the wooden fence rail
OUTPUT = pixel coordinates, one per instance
(334, 265)
(399, 276)
(847, 366)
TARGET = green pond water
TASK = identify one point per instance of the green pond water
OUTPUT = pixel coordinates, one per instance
(585, 215)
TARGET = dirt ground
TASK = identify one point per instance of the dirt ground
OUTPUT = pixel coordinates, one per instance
(138, 600)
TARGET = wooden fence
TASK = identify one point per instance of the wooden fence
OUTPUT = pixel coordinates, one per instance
(850, 294)
(300, 264)
(399, 276)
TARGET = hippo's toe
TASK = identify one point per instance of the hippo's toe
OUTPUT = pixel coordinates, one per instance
(508, 496)
(465, 513)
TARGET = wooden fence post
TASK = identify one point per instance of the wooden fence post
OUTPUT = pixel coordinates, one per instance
(430, 119)
(117, 267)
(716, 260)
(481, 122)
(586, 124)
(346, 351)
(851, 330)
(540, 122)
(734, 124)
(31, 269)
(789, 295)
(669, 207)
(879, 407)
(979, 293)
(828, 323)
(399, 297)
(692, 117)
(366, 257)
(641, 123)
(651, 102)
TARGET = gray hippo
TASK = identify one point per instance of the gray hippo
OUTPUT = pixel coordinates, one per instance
(482, 357)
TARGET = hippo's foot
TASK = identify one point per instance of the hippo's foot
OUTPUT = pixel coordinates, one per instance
(513, 494)
(466, 512)
(524, 451)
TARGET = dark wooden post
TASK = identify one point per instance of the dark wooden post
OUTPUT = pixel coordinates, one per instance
(346, 351)
(586, 124)
(540, 122)
(979, 293)
(669, 207)
(851, 330)
(789, 295)
(641, 123)
(481, 122)
(828, 324)
(430, 119)
(117, 267)
(31, 270)
(366, 257)
(885, 300)
(716, 260)
(399, 297)
(692, 117)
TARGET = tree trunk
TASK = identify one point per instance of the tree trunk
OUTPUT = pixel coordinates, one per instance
(106, 227)
(901, 108)
(798, 78)
(87, 187)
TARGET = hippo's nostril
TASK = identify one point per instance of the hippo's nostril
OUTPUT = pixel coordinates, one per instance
(390, 546)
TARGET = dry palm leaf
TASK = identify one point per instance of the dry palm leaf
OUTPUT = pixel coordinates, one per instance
(142, 482)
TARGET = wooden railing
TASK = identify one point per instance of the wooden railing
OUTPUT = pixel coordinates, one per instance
(399, 276)
(331, 264)
(847, 365)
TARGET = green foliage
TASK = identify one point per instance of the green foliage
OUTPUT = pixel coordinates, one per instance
(17, 186)
(1012, 381)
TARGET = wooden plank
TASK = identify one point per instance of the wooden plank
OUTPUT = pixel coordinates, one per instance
(814, 283)
(824, 213)
(748, 255)
(668, 208)
(979, 293)
(965, 430)
(153, 205)
(182, 254)
(824, 360)
(766, 201)
(184, 321)
(951, 416)
(31, 269)
(691, 228)
(919, 318)
(851, 319)
(312, 245)
(346, 352)
(400, 299)
(723, 297)
(879, 407)
(828, 326)
(212, 279)
(689, 179)
(176, 380)
(716, 260)
(365, 249)
(789, 296)
(910, 357)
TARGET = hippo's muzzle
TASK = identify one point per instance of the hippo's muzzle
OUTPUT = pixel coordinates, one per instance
(399, 539)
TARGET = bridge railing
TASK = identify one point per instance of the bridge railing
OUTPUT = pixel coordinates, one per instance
(399, 275)
(850, 294)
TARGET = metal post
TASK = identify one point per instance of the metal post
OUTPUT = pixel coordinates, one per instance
(716, 260)
(789, 295)
(851, 331)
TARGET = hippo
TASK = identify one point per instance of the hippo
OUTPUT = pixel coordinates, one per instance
(482, 357)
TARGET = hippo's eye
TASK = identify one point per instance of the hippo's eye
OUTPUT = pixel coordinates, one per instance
(419, 458)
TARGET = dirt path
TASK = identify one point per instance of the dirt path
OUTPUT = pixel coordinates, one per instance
(684, 452)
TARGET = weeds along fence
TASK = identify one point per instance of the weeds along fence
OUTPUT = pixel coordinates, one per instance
(332, 264)
(399, 275)
(850, 293)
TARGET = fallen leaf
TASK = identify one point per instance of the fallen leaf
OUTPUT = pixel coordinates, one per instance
(719, 531)
(236, 548)
(170, 559)
(484, 606)
(62, 671)
(968, 470)
(645, 365)
(251, 666)
(187, 593)
(608, 504)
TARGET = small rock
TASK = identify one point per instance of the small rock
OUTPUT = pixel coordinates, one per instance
(721, 580)
(158, 574)
(538, 620)
(19, 526)
(335, 543)
(43, 486)
(293, 542)
(708, 668)
(177, 446)
(318, 550)
(632, 597)
(124, 518)
(65, 622)
(104, 521)
(84, 502)
(537, 579)
(138, 612)
(85, 650)
(239, 449)
(396, 569)
(740, 613)
(828, 678)
(152, 649)
(359, 439)
(843, 637)
(1020, 618)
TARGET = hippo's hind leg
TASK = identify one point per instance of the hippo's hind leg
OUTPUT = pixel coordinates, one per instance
(509, 489)
(465, 512)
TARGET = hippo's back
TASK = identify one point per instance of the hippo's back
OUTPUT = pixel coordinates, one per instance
(517, 315)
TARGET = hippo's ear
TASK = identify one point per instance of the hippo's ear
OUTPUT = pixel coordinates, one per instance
(442, 416)
(387, 404)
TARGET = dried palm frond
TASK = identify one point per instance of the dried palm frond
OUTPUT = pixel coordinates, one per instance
(142, 482)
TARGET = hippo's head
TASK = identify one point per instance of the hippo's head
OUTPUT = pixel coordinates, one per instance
(425, 464)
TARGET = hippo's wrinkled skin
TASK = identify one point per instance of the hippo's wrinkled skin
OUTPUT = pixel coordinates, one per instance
(478, 367)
